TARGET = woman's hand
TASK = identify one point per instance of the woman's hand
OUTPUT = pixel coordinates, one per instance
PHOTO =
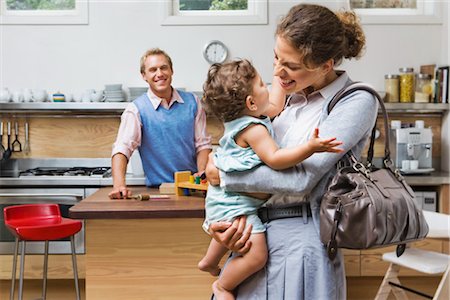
(212, 173)
(234, 236)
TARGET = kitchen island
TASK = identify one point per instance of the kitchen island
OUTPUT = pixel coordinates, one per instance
(144, 249)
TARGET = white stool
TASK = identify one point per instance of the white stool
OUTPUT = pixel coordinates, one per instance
(424, 261)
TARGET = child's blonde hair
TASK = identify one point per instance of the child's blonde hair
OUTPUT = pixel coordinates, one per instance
(227, 87)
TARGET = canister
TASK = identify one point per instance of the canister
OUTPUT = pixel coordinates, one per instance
(424, 88)
(392, 88)
(406, 84)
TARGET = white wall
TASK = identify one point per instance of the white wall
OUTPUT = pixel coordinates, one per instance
(76, 57)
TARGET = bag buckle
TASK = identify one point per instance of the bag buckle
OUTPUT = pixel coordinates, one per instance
(359, 167)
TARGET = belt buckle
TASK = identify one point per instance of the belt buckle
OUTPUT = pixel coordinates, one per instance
(263, 214)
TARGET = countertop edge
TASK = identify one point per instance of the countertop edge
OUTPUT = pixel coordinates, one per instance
(86, 215)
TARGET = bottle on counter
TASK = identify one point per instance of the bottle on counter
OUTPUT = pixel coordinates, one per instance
(424, 88)
(406, 85)
(392, 88)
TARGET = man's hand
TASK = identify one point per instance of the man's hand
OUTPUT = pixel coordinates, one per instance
(234, 236)
(121, 192)
(212, 173)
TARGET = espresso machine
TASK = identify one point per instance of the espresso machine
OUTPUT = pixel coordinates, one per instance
(412, 149)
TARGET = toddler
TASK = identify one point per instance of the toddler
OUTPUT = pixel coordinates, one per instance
(236, 95)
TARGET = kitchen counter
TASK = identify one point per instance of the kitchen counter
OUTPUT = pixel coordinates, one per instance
(434, 178)
(99, 206)
(144, 249)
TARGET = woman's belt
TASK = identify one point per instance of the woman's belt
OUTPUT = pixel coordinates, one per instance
(267, 214)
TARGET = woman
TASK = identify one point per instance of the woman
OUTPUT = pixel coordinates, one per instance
(310, 42)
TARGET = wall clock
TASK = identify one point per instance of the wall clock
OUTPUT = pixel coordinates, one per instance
(215, 52)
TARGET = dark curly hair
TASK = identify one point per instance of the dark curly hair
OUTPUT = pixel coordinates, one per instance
(226, 88)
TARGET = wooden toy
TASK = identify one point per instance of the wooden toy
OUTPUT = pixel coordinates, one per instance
(183, 183)
(145, 197)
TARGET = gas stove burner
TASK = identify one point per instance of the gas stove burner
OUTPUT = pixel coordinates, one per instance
(74, 171)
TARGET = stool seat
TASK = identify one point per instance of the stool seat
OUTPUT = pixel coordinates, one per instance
(39, 222)
(420, 260)
(44, 229)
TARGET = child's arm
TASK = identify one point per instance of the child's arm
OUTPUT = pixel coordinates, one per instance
(277, 100)
(258, 137)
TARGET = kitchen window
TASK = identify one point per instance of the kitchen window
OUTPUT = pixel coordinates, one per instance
(24, 12)
(213, 12)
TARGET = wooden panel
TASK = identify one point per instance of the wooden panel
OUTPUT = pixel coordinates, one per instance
(426, 244)
(444, 199)
(69, 137)
(146, 259)
(350, 252)
(373, 265)
(352, 265)
(215, 129)
(84, 137)
(433, 121)
(59, 266)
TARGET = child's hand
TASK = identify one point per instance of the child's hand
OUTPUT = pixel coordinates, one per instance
(318, 144)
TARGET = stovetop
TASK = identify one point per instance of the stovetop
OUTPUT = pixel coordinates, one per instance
(67, 172)
(73, 171)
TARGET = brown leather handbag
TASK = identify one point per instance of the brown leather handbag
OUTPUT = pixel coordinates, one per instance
(366, 207)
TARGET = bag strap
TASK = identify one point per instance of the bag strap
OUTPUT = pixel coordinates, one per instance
(358, 86)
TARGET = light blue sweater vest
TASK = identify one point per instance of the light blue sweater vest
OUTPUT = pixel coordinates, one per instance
(167, 142)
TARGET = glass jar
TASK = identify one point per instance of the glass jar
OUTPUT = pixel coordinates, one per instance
(391, 87)
(424, 88)
(406, 84)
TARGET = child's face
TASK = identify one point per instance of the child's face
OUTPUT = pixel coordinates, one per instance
(260, 95)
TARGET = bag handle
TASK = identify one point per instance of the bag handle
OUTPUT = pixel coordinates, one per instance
(358, 86)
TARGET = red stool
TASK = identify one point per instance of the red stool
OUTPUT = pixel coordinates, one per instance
(39, 222)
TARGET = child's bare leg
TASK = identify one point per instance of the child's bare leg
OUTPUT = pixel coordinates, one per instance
(241, 267)
(210, 262)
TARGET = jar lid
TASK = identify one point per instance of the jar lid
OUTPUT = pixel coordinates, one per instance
(424, 76)
(391, 76)
(406, 70)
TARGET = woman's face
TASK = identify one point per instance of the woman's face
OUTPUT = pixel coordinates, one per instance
(293, 75)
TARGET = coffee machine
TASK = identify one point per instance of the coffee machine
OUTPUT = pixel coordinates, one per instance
(412, 149)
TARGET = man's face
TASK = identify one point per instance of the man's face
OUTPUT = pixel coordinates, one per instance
(158, 74)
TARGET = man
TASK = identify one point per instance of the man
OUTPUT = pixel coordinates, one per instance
(167, 125)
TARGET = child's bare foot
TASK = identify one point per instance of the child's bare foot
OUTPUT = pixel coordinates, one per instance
(220, 293)
(206, 267)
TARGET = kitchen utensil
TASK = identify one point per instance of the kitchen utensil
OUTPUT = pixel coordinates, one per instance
(145, 197)
(26, 147)
(16, 145)
(2, 149)
(8, 151)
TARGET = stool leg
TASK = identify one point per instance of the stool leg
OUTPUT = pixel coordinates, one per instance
(74, 265)
(44, 272)
(22, 267)
(385, 288)
(14, 268)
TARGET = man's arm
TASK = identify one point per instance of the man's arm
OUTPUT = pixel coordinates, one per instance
(128, 139)
(202, 159)
(119, 167)
(350, 121)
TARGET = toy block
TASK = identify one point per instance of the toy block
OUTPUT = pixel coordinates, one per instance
(183, 181)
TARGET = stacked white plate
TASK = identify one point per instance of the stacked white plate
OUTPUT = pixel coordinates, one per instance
(136, 92)
(114, 93)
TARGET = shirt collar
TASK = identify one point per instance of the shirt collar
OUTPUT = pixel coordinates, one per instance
(324, 93)
(156, 101)
(334, 87)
